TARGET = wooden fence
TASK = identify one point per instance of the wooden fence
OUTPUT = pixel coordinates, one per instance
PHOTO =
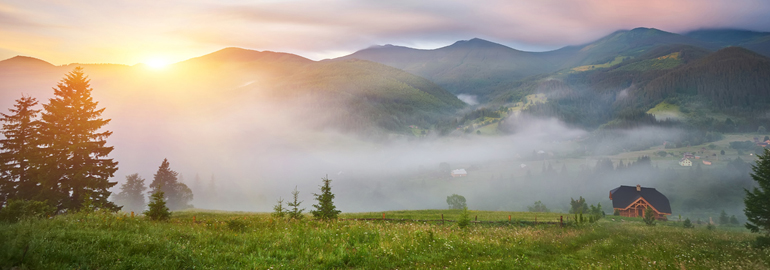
(442, 220)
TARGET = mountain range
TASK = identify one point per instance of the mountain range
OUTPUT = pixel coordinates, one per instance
(384, 89)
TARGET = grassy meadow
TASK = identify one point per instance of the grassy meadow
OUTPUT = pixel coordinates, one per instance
(231, 240)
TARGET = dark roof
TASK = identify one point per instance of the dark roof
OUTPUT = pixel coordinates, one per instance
(623, 196)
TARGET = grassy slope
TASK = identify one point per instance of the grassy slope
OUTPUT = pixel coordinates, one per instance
(257, 241)
(666, 110)
(615, 61)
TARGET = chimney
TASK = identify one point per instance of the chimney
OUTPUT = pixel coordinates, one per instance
(638, 188)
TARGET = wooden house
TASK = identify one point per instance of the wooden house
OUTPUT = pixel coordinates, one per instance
(459, 173)
(685, 162)
(632, 201)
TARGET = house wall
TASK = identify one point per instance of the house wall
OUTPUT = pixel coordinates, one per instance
(637, 210)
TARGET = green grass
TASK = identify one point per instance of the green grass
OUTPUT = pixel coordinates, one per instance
(666, 110)
(249, 241)
(664, 62)
(617, 60)
(455, 214)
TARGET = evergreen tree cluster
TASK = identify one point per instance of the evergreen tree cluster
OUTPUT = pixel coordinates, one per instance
(59, 157)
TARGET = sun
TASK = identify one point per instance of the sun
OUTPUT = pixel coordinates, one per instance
(157, 63)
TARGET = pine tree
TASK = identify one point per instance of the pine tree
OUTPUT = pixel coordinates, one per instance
(278, 210)
(75, 167)
(131, 194)
(179, 195)
(723, 218)
(757, 201)
(295, 212)
(158, 209)
(18, 149)
(325, 208)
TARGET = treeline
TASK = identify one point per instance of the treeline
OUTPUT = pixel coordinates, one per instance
(730, 78)
(57, 155)
(177, 195)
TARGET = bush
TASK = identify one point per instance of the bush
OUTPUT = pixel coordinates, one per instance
(278, 210)
(464, 219)
(688, 223)
(710, 227)
(17, 210)
(649, 216)
(762, 242)
(538, 207)
(236, 225)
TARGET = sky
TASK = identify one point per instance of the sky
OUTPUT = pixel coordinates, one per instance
(141, 31)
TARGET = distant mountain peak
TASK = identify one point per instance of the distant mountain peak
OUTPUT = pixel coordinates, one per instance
(236, 54)
(25, 62)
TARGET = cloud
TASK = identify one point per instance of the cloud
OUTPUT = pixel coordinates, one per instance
(128, 31)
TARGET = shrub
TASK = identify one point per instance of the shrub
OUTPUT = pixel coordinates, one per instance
(464, 219)
(649, 216)
(17, 210)
(538, 207)
(278, 210)
(616, 213)
(158, 209)
(687, 223)
(236, 225)
(762, 242)
(710, 227)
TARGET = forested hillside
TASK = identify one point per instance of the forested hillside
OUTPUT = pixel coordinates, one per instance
(358, 97)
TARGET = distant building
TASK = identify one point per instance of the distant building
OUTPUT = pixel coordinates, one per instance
(632, 201)
(685, 162)
(707, 162)
(459, 173)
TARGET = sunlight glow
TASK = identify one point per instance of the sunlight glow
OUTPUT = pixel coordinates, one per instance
(157, 63)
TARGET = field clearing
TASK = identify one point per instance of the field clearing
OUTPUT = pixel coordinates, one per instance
(257, 241)
(665, 110)
(615, 61)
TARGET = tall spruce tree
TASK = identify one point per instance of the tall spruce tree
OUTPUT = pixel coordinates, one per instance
(325, 208)
(178, 194)
(131, 194)
(18, 149)
(75, 168)
(757, 201)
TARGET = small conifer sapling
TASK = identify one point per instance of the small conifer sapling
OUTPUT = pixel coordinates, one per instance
(325, 209)
(158, 209)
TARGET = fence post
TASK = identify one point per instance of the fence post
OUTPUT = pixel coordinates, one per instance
(383, 216)
(561, 221)
(132, 214)
(442, 219)
(509, 218)
(193, 219)
(477, 218)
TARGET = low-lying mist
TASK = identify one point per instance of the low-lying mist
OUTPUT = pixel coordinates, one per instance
(238, 147)
(244, 159)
